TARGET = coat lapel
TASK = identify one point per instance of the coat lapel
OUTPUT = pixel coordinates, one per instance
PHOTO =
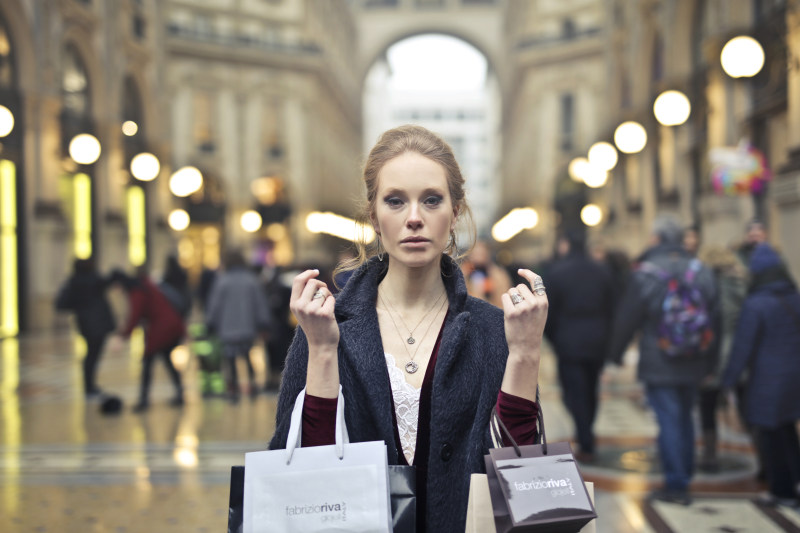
(360, 340)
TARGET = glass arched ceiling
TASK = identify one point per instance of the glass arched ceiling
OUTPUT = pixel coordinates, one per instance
(436, 63)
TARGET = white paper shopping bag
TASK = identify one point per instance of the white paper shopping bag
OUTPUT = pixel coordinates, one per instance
(342, 487)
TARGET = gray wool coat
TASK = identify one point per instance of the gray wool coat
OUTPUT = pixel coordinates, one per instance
(468, 374)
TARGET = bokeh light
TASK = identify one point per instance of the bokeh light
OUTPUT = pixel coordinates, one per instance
(630, 137)
(742, 57)
(178, 220)
(84, 149)
(145, 166)
(672, 108)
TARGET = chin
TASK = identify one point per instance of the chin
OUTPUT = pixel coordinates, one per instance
(417, 260)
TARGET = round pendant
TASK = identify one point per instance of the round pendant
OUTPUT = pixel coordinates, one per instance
(411, 367)
(411, 340)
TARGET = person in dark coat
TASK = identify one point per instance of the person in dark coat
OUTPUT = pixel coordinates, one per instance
(164, 328)
(420, 363)
(767, 347)
(84, 293)
(670, 382)
(281, 328)
(175, 286)
(579, 322)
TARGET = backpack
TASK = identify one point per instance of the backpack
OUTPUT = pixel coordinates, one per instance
(684, 329)
(179, 301)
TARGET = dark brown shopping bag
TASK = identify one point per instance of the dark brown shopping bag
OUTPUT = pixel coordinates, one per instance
(536, 488)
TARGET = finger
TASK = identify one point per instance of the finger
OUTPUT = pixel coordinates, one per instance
(321, 289)
(533, 278)
(329, 304)
(311, 289)
(300, 281)
(529, 275)
(508, 305)
(524, 291)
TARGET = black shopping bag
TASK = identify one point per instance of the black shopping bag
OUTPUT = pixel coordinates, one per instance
(236, 500)
(402, 486)
(536, 488)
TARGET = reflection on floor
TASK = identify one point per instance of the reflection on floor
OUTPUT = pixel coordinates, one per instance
(65, 467)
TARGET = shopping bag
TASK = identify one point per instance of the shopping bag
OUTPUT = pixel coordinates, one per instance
(341, 487)
(536, 487)
(402, 492)
(403, 496)
(481, 515)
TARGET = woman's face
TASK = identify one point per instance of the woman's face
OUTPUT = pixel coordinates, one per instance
(414, 213)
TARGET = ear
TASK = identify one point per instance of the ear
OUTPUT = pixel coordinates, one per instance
(455, 218)
(374, 222)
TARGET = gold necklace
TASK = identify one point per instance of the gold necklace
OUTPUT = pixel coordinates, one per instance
(410, 339)
(412, 366)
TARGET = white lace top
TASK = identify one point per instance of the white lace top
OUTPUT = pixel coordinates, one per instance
(406, 407)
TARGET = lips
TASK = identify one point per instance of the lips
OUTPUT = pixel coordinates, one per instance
(412, 240)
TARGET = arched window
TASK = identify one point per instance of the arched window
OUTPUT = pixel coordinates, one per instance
(7, 71)
(75, 84)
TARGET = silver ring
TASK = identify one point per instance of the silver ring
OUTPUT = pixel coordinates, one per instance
(516, 298)
(539, 291)
(317, 295)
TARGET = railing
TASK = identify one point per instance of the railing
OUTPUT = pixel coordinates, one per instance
(534, 42)
(241, 41)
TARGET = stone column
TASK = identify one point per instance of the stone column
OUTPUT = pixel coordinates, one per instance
(785, 191)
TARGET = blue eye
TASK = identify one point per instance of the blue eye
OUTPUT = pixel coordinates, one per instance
(433, 200)
(393, 201)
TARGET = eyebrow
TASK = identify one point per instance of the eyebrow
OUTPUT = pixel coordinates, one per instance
(429, 190)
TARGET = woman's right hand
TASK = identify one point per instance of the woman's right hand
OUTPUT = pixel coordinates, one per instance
(312, 304)
(315, 316)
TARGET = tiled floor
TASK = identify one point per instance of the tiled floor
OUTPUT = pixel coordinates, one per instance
(65, 467)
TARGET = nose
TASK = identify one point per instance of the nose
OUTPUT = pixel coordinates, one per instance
(414, 220)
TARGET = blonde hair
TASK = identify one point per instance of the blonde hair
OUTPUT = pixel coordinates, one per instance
(394, 143)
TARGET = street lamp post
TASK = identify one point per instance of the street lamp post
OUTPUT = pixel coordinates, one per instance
(84, 149)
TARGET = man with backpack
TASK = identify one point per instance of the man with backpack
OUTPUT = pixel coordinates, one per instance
(671, 300)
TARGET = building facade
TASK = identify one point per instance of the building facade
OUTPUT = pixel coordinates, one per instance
(242, 90)
(265, 98)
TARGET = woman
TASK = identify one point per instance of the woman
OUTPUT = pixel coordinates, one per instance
(731, 278)
(421, 364)
(766, 345)
(164, 328)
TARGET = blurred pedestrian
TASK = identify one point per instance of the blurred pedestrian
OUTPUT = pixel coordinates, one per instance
(207, 277)
(579, 322)
(237, 312)
(84, 293)
(281, 328)
(766, 346)
(485, 279)
(671, 299)
(691, 239)
(755, 233)
(164, 328)
(731, 280)
(175, 286)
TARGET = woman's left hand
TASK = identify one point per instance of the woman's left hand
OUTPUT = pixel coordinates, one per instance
(525, 311)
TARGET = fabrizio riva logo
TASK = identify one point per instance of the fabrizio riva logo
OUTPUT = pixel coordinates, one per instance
(325, 512)
(557, 487)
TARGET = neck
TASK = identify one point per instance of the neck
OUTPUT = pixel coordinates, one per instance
(409, 288)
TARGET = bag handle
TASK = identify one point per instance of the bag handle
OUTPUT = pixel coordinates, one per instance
(295, 437)
(498, 429)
